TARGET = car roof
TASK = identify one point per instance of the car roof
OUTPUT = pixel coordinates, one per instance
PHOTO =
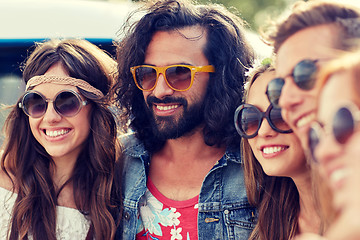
(38, 19)
(24, 22)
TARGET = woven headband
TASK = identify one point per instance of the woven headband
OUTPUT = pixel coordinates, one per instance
(34, 81)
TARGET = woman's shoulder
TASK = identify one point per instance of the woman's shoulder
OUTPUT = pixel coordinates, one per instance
(7, 200)
(5, 181)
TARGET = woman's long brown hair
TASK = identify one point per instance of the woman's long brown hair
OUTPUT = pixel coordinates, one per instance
(28, 164)
(276, 198)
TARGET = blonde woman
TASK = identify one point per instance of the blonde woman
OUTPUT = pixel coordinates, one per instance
(334, 142)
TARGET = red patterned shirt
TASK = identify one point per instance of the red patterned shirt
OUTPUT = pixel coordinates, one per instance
(163, 218)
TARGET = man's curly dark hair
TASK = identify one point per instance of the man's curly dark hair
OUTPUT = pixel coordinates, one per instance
(226, 49)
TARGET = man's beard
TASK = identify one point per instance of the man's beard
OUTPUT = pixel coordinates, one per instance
(172, 127)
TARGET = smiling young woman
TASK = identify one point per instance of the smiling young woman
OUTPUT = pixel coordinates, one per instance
(277, 176)
(58, 165)
(334, 142)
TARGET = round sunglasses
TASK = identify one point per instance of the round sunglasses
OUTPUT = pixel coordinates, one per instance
(67, 103)
(177, 77)
(248, 119)
(303, 74)
(342, 127)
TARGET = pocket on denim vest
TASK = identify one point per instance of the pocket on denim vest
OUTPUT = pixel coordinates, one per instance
(240, 222)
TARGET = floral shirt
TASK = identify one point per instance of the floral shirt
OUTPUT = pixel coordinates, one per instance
(163, 218)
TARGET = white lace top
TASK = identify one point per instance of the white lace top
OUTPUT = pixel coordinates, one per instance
(70, 223)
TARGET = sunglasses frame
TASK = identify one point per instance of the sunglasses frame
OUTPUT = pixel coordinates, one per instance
(82, 102)
(162, 70)
(282, 79)
(321, 130)
(263, 115)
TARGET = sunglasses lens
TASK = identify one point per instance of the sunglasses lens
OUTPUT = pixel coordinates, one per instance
(179, 77)
(343, 125)
(273, 91)
(67, 104)
(249, 121)
(34, 105)
(277, 120)
(305, 74)
(145, 77)
(313, 139)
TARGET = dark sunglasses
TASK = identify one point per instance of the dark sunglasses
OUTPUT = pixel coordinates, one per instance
(248, 119)
(67, 103)
(342, 127)
(304, 75)
(177, 77)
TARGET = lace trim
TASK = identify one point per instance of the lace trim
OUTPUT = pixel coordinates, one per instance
(70, 223)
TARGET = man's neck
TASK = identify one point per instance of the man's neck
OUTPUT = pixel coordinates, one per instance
(309, 220)
(191, 147)
(179, 168)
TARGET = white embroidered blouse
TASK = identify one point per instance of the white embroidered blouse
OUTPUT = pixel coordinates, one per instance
(70, 223)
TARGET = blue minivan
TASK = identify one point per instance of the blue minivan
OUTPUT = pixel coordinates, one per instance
(24, 22)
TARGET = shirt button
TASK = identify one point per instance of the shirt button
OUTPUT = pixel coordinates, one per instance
(226, 211)
(210, 220)
(126, 216)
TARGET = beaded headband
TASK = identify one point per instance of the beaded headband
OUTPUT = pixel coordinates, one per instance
(65, 80)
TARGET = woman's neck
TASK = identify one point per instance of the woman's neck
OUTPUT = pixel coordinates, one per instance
(61, 170)
(309, 219)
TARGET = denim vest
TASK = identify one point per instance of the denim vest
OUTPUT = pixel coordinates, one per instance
(224, 212)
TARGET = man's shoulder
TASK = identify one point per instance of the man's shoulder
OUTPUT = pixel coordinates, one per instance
(233, 154)
(128, 139)
(131, 144)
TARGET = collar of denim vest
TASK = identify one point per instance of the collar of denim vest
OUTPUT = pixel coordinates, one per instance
(133, 147)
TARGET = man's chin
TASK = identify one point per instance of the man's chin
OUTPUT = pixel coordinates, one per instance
(177, 125)
(304, 142)
(173, 130)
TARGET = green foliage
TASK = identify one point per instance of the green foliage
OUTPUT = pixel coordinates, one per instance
(255, 12)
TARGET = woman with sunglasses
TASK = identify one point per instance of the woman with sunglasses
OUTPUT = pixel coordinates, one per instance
(58, 161)
(277, 176)
(334, 142)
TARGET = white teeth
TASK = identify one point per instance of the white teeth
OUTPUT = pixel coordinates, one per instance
(305, 120)
(56, 133)
(338, 175)
(269, 150)
(164, 108)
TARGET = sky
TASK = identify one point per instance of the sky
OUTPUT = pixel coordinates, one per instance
(353, 2)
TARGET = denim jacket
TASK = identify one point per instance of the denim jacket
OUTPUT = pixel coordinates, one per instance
(224, 212)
